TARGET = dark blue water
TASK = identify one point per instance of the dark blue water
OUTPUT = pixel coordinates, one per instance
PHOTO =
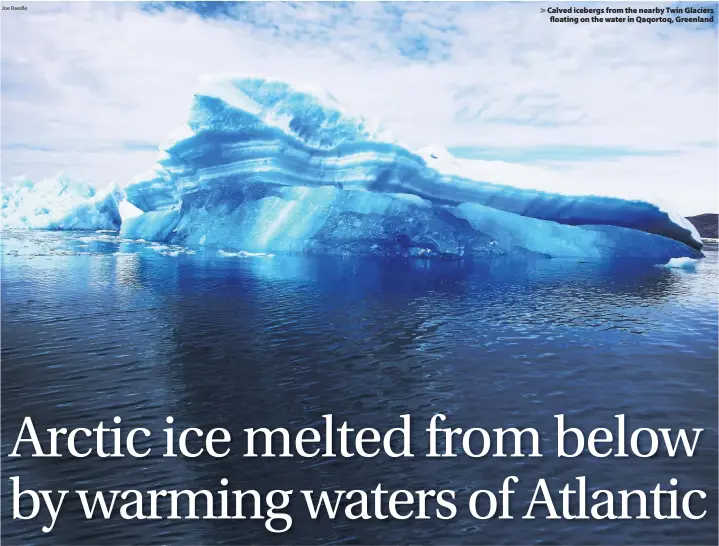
(93, 328)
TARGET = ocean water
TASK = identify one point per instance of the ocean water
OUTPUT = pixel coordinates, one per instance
(94, 327)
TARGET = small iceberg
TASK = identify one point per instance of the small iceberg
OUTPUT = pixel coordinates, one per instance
(244, 254)
(688, 264)
(60, 203)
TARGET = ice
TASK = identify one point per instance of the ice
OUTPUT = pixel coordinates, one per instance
(263, 166)
(103, 238)
(127, 210)
(170, 250)
(243, 254)
(682, 263)
(59, 203)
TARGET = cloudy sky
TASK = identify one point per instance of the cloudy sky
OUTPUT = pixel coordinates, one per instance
(93, 88)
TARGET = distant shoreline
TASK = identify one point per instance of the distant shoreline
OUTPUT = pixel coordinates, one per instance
(706, 225)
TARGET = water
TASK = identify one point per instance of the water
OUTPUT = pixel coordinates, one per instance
(93, 327)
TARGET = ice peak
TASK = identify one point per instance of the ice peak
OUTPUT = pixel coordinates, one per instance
(310, 114)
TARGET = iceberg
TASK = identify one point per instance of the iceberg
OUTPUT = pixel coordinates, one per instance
(263, 166)
(59, 203)
(243, 254)
(688, 264)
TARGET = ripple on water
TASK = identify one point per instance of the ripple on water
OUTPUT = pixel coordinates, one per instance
(95, 326)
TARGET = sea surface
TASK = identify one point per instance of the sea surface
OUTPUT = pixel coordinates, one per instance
(95, 327)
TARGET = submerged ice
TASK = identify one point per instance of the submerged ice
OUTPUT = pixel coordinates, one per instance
(263, 166)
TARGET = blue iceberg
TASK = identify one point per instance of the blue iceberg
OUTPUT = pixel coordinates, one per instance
(265, 166)
(60, 203)
(688, 264)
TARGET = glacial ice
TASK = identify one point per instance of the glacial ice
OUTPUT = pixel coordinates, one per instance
(688, 264)
(127, 210)
(59, 203)
(243, 254)
(263, 167)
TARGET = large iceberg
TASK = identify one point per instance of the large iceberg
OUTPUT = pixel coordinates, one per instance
(264, 166)
(59, 203)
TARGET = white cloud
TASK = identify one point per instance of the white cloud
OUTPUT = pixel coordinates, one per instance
(81, 81)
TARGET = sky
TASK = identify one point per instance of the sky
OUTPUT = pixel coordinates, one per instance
(93, 88)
